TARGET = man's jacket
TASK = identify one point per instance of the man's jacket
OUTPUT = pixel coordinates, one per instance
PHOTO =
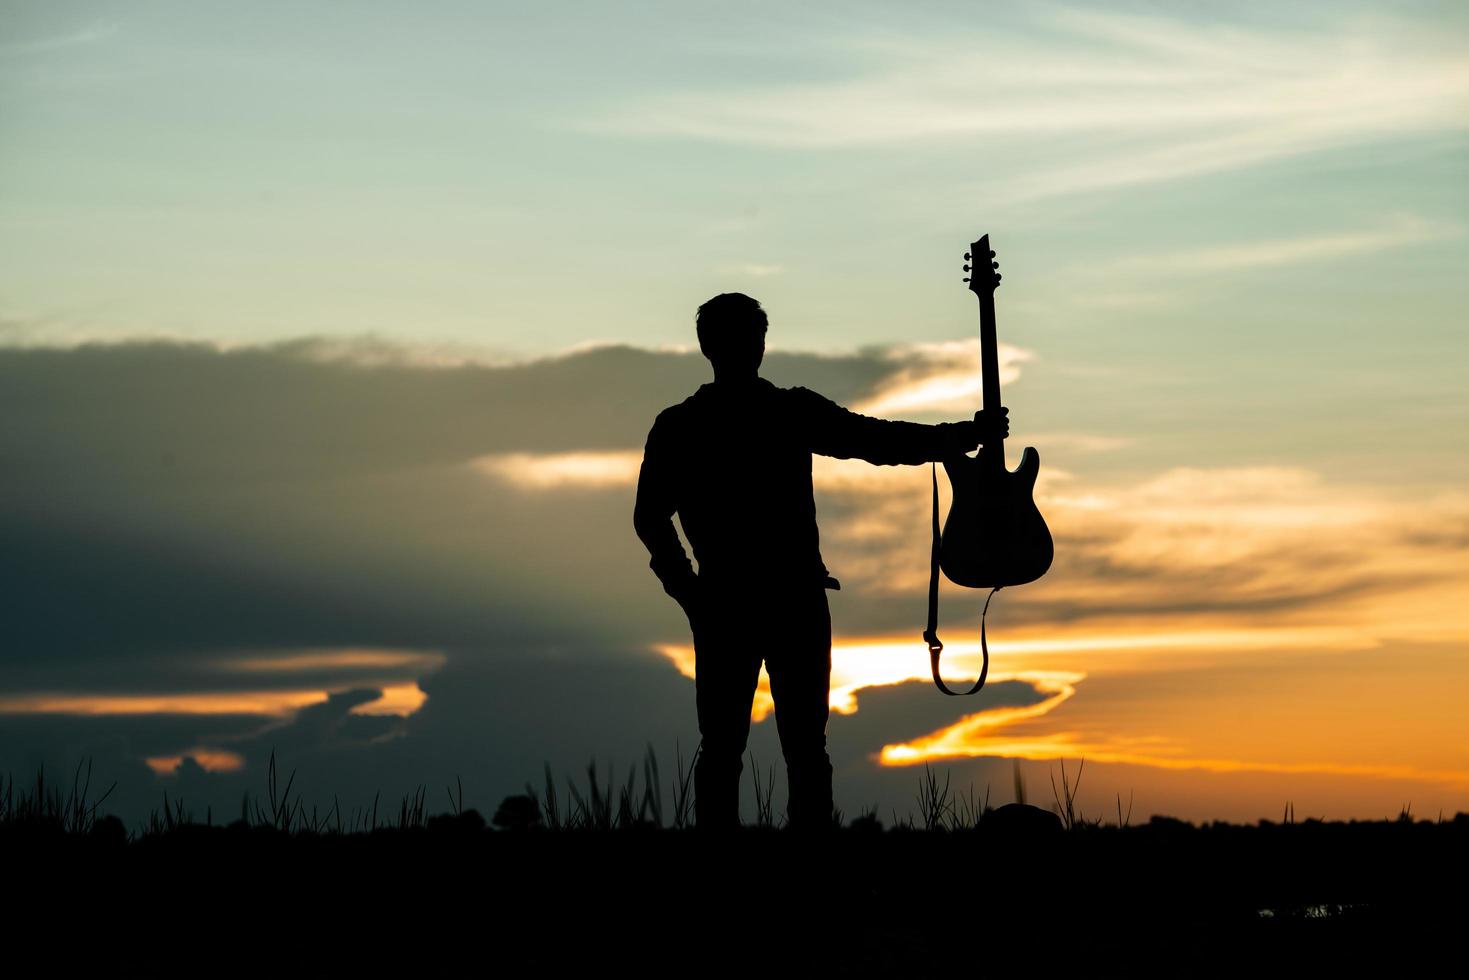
(734, 461)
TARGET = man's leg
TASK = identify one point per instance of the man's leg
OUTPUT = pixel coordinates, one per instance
(726, 672)
(799, 664)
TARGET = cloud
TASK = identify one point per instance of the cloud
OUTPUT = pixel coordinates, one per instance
(968, 736)
(1140, 98)
(755, 270)
(90, 34)
(1131, 282)
(334, 660)
(1401, 230)
(938, 378)
(1188, 540)
(1250, 536)
(204, 758)
(983, 735)
(265, 703)
(1082, 442)
(589, 470)
(1193, 712)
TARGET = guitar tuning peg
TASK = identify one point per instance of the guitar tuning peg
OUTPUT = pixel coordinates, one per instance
(966, 279)
(966, 256)
(992, 253)
(966, 268)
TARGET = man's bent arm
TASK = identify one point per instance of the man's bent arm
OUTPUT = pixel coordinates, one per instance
(836, 431)
(653, 520)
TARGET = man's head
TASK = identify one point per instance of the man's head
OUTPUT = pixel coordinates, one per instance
(731, 329)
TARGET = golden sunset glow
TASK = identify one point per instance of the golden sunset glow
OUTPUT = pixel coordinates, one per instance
(395, 699)
(1195, 732)
(274, 703)
(961, 739)
(334, 659)
(399, 699)
(941, 379)
(210, 760)
(682, 657)
(539, 471)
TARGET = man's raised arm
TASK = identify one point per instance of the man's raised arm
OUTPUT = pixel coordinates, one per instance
(653, 517)
(835, 431)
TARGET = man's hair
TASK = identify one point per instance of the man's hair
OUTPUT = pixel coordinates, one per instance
(728, 319)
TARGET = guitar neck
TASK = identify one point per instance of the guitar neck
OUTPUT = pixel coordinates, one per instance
(989, 356)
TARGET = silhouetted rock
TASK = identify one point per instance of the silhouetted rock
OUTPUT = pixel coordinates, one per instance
(109, 830)
(518, 813)
(1021, 818)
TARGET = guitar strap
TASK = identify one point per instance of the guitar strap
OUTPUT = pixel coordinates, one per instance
(931, 635)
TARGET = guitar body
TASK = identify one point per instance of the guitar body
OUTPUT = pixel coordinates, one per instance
(994, 534)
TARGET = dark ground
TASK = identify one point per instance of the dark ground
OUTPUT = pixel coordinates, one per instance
(1164, 897)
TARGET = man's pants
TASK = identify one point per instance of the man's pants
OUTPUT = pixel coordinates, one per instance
(790, 629)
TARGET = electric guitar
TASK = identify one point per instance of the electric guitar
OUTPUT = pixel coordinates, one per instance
(994, 535)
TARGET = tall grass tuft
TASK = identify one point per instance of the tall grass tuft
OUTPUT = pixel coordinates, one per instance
(411, 814)
(652, 804)
(593, 811)
(283, 812)
(1121, 822)
(1066, 798)
(551, 815)
(683, 789)
(764, 795)
(456, 806)
(45, 808)
(934, 806)
(969, 810)
(627, 815)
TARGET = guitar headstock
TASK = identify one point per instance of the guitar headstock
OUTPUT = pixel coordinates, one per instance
(985, 275)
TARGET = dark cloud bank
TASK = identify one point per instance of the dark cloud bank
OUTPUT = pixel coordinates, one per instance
(168, 504)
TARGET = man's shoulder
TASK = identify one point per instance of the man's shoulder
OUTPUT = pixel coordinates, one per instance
(804, 398)
(677, 415)
(680, 409)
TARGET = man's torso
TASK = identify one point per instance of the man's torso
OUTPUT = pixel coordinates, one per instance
(742, 478)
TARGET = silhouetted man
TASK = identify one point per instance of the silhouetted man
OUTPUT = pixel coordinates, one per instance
(734, 461)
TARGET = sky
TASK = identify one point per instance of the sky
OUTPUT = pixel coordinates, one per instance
(330, 337)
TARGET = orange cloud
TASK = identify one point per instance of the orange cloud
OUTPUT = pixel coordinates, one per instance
(542, 471)
(332, 659)
(210, 760)
(273, 703)
(968, 736)
(939, 377)
(401, 700)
